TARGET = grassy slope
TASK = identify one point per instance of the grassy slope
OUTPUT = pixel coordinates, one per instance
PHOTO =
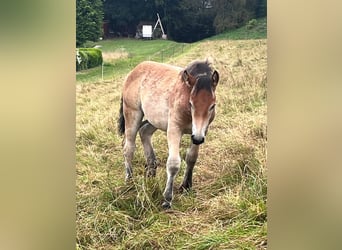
(226, 210)
(127, 53)
(259, 31)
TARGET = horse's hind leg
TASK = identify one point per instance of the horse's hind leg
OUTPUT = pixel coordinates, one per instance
(190, 160)
(146, 131)
(132, 123)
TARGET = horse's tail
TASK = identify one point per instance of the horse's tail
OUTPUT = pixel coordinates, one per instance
(121, 120)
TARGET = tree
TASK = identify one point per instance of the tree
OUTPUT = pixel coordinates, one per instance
(183, 20)
(261, 8)
(190, 20)
(232, 14)
(124, 16)
(89, 17)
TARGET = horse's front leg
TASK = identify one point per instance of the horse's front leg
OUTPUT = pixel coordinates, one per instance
(172, 165)
(190, 159)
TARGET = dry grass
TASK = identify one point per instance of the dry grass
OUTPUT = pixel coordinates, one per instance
(111, 57)
(226, 209)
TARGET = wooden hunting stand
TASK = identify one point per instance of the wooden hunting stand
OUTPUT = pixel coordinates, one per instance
(164, 36)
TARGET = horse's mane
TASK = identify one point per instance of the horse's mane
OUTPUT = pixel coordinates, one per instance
(203, 71)
(199, 68)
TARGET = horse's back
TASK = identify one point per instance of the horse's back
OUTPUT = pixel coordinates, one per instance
(148, 87)
(149, 73)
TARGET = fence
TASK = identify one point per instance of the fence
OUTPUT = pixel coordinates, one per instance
(168, 52)
(122, 65)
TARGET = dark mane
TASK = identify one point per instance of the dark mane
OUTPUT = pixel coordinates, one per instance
(199, 68)
(203, 82)
(202, 71)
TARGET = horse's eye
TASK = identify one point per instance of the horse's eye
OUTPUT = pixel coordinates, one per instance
(212, 107)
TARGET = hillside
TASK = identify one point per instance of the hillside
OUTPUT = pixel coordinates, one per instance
(227, 207)
(254, 29)
(121, 55)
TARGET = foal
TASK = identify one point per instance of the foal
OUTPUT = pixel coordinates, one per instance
(178, 101)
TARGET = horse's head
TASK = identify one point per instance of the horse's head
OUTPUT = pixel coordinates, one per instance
(202, 102)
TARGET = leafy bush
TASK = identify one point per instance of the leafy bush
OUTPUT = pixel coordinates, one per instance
(94, 57)
(87, 58)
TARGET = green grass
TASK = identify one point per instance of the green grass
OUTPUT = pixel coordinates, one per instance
(226, 208)
(259, 31)
(135, 51)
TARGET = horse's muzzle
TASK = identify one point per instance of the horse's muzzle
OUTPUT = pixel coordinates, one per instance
(197, 140)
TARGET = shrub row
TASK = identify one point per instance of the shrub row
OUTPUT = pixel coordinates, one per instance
(87, 58)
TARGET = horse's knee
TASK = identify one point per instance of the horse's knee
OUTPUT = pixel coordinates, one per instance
(128, 149)
(191, 156)
(191, 159)
(173, 170)
(173, 165)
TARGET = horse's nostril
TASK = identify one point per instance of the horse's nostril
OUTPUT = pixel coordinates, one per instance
(197, 140)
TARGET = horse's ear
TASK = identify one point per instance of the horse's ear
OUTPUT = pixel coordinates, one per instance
(215, 78)
(188, 79)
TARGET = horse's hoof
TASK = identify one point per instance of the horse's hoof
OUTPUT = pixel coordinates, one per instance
(166, 205)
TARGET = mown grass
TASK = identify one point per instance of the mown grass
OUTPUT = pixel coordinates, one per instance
(226, 208)
(121, 55)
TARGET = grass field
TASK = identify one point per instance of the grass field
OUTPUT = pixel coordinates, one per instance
(257, 31)
(121, 55)
(226, 208)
